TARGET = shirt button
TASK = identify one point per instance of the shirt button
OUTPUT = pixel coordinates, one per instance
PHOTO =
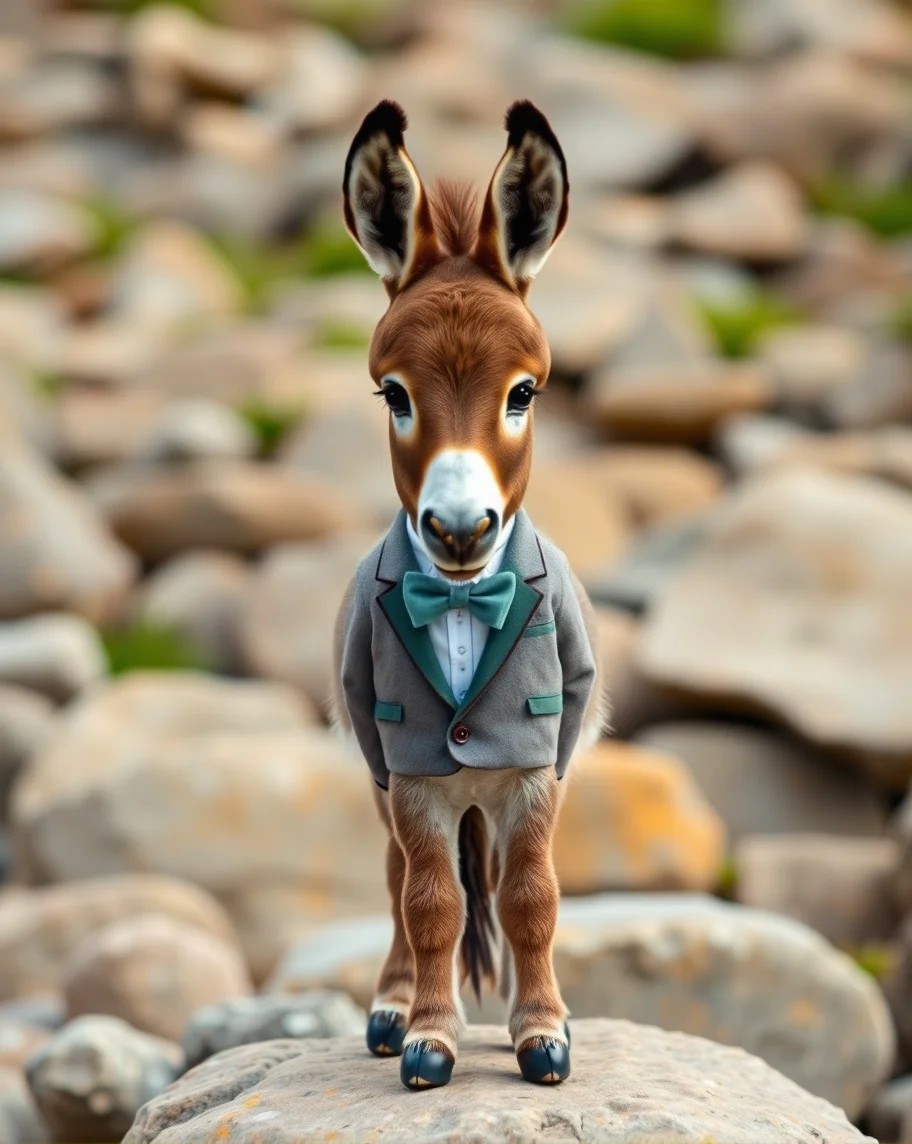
(461, 733)
(461, 650)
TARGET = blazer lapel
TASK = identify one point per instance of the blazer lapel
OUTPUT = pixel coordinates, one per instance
(524, 558)
(396, 559)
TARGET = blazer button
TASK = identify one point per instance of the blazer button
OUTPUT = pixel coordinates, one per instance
(461, 733)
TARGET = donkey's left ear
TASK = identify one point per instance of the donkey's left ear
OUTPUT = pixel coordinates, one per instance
(386, 208)
(526, 205)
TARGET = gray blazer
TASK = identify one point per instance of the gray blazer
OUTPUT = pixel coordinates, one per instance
(527, 701)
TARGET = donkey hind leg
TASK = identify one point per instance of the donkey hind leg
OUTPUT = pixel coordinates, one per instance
(396, 984)
(527, 900)
(433, 910)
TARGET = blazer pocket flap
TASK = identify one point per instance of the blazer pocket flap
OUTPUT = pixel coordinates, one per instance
(539, 629)
(546, 704)
(391, 712)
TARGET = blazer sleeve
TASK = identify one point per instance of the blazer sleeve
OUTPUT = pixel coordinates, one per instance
(578, 667)
(358, 685)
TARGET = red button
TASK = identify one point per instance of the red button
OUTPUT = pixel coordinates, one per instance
(461, 733)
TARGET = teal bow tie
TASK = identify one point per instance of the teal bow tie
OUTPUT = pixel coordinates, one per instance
(427, 597)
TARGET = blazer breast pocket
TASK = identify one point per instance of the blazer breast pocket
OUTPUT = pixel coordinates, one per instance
(388, 712)
(545, 704)
(544, 629)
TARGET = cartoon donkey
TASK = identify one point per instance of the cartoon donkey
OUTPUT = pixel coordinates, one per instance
(464, 646)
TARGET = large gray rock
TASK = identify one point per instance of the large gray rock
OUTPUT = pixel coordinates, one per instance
(92, 1076)
(241, 794)
(793, 609)
(56, 551)
(687, 962)
(59, 656)
(841, 887)
(629, 1083)
(762, 782)
(40, 929)
(268, 1017)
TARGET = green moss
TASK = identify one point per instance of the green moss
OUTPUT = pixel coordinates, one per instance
(271, 422)
(47, 384)
(203, 8)
(737, 327)
(679, 29)
(114, 227)
(322, 253)
(900, 322)
(141, 646)
(335, 334)
(727, 878)
(886, 211)
(875, 960)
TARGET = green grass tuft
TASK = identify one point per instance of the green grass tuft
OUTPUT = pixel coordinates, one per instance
(336, 334)
(874, 959)
(46, 383)
(114, 227)
(270, 422)
(900, 321)
(737, 327)
(678, 29)
(142, 646)
(727, 878)
(887, 211)
(203, 8)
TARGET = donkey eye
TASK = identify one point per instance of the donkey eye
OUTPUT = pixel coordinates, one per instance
(520, 397)
(397, 400)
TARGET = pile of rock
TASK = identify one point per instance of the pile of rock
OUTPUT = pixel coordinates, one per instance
(191, 465)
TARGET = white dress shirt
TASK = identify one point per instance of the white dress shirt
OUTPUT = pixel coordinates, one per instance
(458, 637)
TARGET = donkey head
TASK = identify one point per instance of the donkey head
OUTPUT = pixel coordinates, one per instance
(458, 357)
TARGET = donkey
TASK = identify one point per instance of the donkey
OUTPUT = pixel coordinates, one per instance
(464, 647)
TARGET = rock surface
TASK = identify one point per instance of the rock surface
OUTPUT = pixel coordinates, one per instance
(628, 1083)
(154, 973)
(59, 656)
(633, 819)
(26, 720)
(244, 1020)
(90, 1079)
(777, 615)
(684, 961)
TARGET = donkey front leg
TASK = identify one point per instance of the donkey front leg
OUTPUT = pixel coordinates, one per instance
(433, 909)
(396, 985)
(527, 900)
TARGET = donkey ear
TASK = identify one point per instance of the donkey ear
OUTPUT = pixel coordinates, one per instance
(386, 208)
(526, 205)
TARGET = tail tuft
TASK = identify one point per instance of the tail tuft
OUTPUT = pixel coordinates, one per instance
(476, 951)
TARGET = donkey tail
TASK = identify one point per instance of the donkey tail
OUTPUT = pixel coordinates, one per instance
(476, 953)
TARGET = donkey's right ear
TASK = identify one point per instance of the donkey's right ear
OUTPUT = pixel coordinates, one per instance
(386, 208)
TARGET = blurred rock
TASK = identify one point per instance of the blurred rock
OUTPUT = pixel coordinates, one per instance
(672, 1072)
(751, 212)
(54, 95)
(154, 973)
(170, 276)
(761, 782)
(897, 987)
(59, 656)
(633, 819)
(748, 442)
(43, 1011)
(197, 429)
(234, 135)
(573, 508)
(199, 595)
(286, 618)
(91, 1078)
(56, 551)
(246, 1020)
(657, 484)
(889, 1115)
(319, 84)
(20, 1121)
(233, 505)
(39, 929)
(807, 364)
(18, 1041)
(842, 887)
(39, 233)
(26, 721)
(881, 396)
(681, 961)
(301, 816)
(95, 426)
(792, 609)
(31, 325)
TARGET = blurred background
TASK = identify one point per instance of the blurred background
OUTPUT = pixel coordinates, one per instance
(191, 464)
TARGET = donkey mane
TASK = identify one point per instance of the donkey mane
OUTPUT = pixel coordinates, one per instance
(454, 209)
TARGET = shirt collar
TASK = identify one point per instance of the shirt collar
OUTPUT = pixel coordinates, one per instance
(427, 566)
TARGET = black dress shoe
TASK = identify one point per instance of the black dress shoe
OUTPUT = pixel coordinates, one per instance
(544, 1061)
(426, 1064)
(385, 1033)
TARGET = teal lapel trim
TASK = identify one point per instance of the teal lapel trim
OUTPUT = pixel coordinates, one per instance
(417, 642)
(500, 642)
